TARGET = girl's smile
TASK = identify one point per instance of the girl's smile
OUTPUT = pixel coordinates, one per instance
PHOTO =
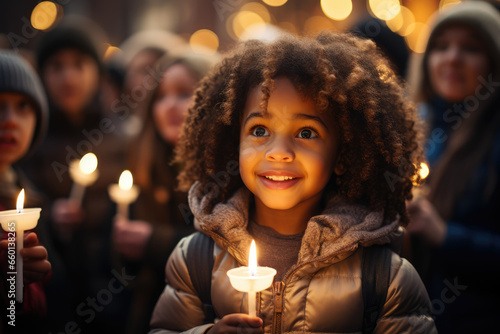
(288, 152)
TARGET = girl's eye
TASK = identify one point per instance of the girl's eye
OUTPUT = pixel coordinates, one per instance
(307, 134)
(260, 132)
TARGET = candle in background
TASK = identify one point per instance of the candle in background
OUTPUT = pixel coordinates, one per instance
(18, 221)
(419, 188)
(84, 173)
(124, 193)
(251, 279)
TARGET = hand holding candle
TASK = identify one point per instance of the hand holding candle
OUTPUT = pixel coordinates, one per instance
(251, 279)
(124, 193)
(83, 173)
(18, 221)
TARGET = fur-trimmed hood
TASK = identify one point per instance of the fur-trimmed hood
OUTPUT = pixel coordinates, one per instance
(339, 228)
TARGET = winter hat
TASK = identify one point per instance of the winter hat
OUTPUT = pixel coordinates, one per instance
(77, 33)
(17, 76)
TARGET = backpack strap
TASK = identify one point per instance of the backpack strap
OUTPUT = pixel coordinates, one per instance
(376, 272)
(200, 262)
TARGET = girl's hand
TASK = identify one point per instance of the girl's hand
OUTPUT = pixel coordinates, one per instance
(35, 263)
(237, 323)
(67, 215)
(131, 237)
(426, 221)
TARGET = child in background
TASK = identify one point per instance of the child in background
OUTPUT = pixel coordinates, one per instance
(23, 121)
(320, 130)
(145, 244)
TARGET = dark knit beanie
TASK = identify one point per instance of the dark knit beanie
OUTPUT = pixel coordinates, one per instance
(72, 33)
(17, 76)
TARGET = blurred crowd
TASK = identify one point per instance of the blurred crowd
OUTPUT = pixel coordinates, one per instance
(90, 267)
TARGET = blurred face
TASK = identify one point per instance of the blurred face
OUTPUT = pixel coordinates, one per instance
(137, 69)
(288, 153)
(17, 124)
(456, 61)
(172, 101)
(71, 79)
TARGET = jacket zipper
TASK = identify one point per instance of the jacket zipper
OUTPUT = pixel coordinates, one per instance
(278, 288)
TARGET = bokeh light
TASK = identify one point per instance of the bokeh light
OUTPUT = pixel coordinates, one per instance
(275, 3)
(384, 9)
(446, 3)
(111, 51)
(258, 9)
(244, 20)
(336, 9)
(45, 15)
(417, 39)
(204, 41)
(402, 21)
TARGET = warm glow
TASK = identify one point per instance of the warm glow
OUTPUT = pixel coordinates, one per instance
(316, 24)
(445, 3)
(20, 201)
(111, 51)
(245, 19)
(88, 163)
(252, 260)
(401, 21)
(44, 15)
(204, 41)
(258, 9)
(275, 3)
(423, 171)
(384, 9)
(126, 180)
(417, 39)
(337, 9)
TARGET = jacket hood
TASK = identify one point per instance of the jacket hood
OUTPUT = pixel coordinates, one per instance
(339, 228)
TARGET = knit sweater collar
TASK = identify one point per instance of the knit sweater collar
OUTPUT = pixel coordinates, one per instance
(339, 228)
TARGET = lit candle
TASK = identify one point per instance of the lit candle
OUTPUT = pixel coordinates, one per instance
(83, 173)
(420, 190)
(18, 221)
(124, 193)
(251, 279)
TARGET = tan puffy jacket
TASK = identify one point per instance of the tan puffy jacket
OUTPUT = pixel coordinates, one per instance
(320, 294)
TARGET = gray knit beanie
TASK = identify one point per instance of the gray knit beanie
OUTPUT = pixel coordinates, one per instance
(17, 76)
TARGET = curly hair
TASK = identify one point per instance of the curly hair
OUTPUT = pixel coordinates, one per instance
(344, 75)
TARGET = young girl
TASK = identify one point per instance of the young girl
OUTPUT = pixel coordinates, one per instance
(320, 130)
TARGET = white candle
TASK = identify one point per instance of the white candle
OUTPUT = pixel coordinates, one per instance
(84, 173)
(18, 221)
(251, 279)
(124, 193)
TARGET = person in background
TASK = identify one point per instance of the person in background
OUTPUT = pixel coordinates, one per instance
(69, 61)
(23, 123)
(455, 230)
(164, 215)
(138, 55)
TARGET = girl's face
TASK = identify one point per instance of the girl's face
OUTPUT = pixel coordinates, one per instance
(17, 124)
(71, 79)
(456, 61)
(172, 102)
(288, 153)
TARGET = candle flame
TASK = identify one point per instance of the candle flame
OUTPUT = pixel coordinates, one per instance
(423, 171)
(88, 163)
(20, 201)
(252, 260)
(126, 180)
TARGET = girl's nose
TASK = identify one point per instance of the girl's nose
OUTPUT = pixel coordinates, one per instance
(7, 114)
(454, 54)
(280, 151)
